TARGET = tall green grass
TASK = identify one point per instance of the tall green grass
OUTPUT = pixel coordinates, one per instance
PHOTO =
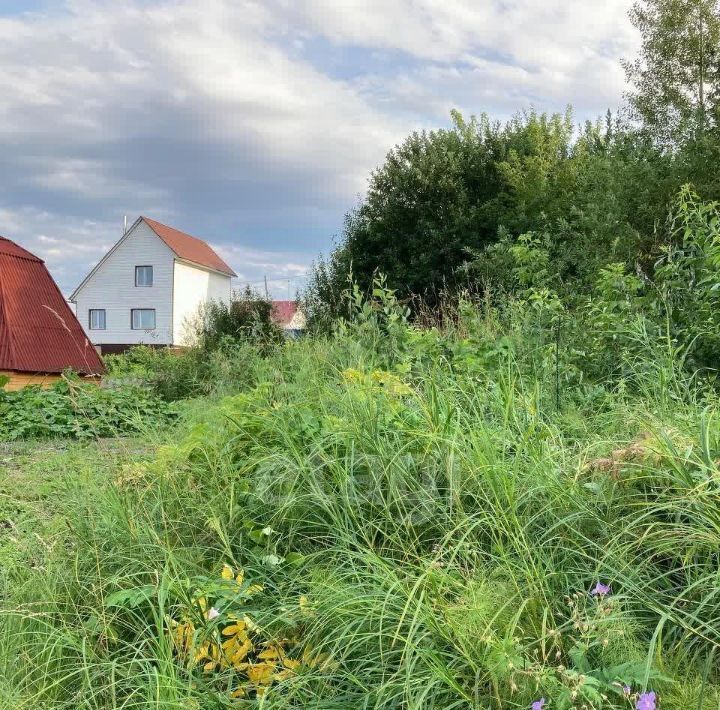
(427, 514)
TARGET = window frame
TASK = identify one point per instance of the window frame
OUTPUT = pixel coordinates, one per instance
(90, 318)
(152, 276)
(138, 310)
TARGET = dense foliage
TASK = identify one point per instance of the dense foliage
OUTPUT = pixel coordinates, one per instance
(444, 198)
(173, 376)
(593, 195)
(221, 332)
(246, 318)
(503, 494)
(676, 77)
(75, 409)
(398, 517)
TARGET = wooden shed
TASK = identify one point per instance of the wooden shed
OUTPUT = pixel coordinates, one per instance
(40, 338)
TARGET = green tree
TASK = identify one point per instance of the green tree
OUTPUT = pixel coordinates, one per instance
(447, 206)
(676, 77)
(441, 195)
(427, 203)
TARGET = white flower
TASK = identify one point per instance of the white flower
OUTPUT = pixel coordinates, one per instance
(213, 613)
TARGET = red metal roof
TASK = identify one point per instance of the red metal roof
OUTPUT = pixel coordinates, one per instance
(38, 331)
(283, 311)
(189, 248)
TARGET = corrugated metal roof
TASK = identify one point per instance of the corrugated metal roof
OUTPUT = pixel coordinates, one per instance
(287, 315)
(38, 331)
(189, 248)
(8, 248)
(283, 311)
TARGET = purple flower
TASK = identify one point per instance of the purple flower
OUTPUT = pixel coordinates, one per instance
(627, 690)
(538, 704)
(646, 702)
(600, 590)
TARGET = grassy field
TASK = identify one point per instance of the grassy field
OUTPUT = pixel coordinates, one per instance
(402, 518)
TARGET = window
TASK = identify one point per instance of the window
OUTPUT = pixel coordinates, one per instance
(142, 318)
(143, 275)
(96, 318)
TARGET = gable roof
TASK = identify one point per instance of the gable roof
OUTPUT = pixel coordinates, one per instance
(189, 248)
(185, 247)
(287, 315)
(283, 311)
(38, 331)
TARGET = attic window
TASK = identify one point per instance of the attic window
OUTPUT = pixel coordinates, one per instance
(143, 318)
(143, 275)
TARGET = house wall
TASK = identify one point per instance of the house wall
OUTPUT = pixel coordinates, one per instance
(18, 380)
(112, 287)
(194, 286)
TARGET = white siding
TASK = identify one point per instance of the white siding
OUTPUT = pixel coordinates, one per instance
(194, 286)
(112, 287)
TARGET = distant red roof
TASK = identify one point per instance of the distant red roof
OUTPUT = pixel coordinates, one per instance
(189, 248)
(283, 312)
(38, 331)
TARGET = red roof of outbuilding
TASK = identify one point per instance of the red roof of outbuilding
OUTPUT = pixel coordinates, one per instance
(283, 311)
(38, 331)
(189, 248)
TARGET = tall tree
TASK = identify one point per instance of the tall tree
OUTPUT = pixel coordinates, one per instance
(676, 77)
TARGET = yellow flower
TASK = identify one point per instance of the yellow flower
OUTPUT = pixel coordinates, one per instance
(236, 650)
(183, 637)
(202, 603)
(228, 574)
(290, 666)
(238, 644)
(321, 661)
(352, 375)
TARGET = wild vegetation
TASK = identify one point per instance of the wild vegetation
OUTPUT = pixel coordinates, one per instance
(489, 477)
(72, 408)
(490, 512)
(447, 205)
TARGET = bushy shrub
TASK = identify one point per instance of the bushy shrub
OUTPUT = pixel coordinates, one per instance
(226, 338)
(191, 372)
(246, 318)
(72, 408)
(687, 280)
(593, 195)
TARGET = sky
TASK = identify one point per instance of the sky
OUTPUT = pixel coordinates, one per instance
(255, 124)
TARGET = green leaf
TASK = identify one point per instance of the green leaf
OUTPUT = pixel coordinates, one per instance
(130, 598)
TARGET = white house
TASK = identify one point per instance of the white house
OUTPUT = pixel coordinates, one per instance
(147, 286)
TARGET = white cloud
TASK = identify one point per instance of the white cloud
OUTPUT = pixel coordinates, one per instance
(283, 271)
(529, 49)
(61, 241)
(91, 179)
(105, 72)
(229, 114)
